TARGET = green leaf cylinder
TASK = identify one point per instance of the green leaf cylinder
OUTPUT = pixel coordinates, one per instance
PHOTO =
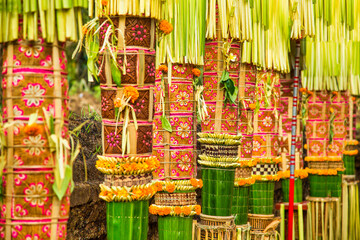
(127, 220)
(217, 191)
(349, 164)
(285, 187)
(261, 200)
(175, 228)
(240, 205)
(325, 185)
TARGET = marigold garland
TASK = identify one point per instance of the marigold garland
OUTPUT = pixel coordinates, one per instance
(301, 173)
(324, 171)
(183, 211)
(127, 194)
(244, 182)
(127, 166)
(351, 152)
(180, 185)
(323, 159)
(351, 142)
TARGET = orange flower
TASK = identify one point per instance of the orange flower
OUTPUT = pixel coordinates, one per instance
(196, 72)
(137, 193)
(252, 106)
(104, 2)
(84, 30)
(303, 90)
(331, 110)
(200, 183)
(165, 27)
(305, 146)
(335, 93)
(170, 187)
(153, 210)
(194, 182)
(186, 210)
(122, 193)
(310, 92)
(32, 130)
(163, 68)
(198, 209)
(177, 210)
(167, 210)
(158, 186)
(353, 98)
(132, 93)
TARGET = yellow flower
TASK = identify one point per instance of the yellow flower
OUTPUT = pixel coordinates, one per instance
(232, 57)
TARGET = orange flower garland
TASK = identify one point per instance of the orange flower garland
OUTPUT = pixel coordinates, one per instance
(322, 159)
(245, 181)
(125, 167)
(324, 171)
(301, 173)
(126, 194)
(351, 152)
(189, 210)
(179, 185)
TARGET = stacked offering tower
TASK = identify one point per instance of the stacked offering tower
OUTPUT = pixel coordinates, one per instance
(120, 43)
(35, 157)
(179, 60)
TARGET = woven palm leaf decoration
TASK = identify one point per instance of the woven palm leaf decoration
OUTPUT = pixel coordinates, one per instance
(36, 153)
(179, 62)
(120, 42)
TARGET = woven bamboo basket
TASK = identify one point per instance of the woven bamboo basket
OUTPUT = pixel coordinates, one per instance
(127, 220)
(243, 172)
(326, 165)
(219, 150)
(175, 199)
(259, 221)
(175, 228)
(217, 191)
(128, 181)
(213, 227)
(259, 235)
